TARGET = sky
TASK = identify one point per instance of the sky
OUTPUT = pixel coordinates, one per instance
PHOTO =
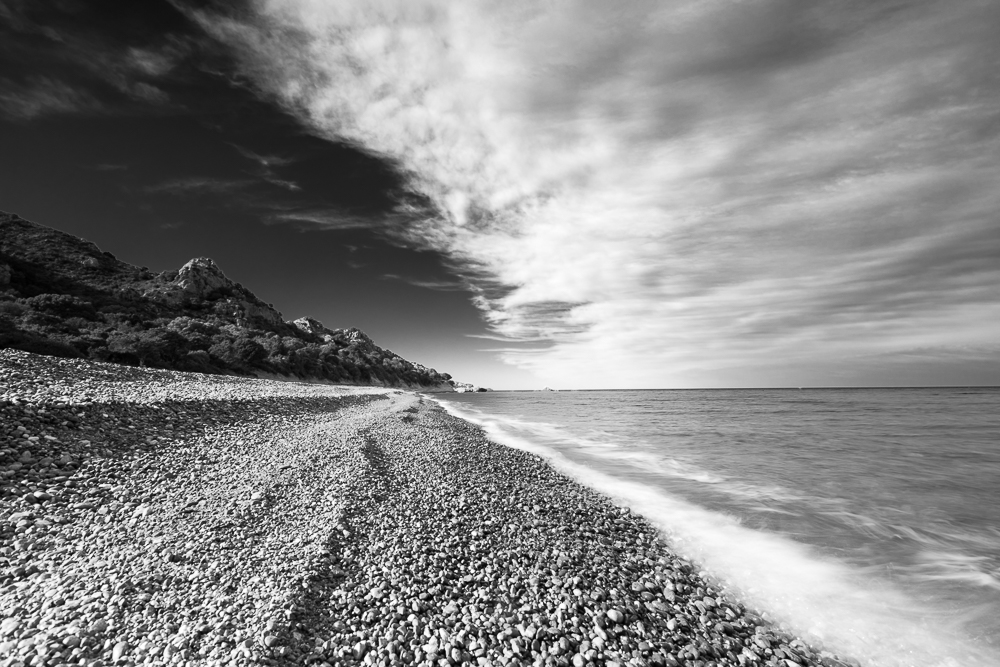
(568, 193)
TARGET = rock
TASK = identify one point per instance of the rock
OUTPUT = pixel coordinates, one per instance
(615, 616)
(9, 626)
(120, 649)
(201, 276)
(313, 326)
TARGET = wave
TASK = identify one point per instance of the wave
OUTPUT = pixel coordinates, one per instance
(848, 609)
(951, 566)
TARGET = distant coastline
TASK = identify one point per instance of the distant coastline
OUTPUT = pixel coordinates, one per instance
(63, 296)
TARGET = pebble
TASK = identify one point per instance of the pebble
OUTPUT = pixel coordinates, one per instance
(120, 649)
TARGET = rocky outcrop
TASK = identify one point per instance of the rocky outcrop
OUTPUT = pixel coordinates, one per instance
(313, 326)
(351, 336)
(201, 279)
(201, 276)
(347, 336)
(466, 388)
(354, 334)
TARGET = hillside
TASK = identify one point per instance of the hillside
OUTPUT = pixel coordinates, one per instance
(61, 295)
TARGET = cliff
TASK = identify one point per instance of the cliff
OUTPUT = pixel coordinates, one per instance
(61, 295)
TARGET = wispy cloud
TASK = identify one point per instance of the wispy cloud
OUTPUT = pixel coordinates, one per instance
(318, 217)
(268, 161)
(73, 43)
(43, 96)
(266, 168)
(436, 285)
(200, 186)
(691, 192)
(282, 183)
(107, 166)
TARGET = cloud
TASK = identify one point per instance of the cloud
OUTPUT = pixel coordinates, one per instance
(266, 165)
(96, 53)
(196, 185)
(436, 285)
(689, 192)
(41, 97)
(200, 186)
(318, 217)
(263, 160)
(282, 183)
(107, 166)
(153, 63)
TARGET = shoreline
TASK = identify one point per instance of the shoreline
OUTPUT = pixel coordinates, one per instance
(179, 518)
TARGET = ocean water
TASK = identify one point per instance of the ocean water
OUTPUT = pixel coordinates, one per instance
(867, 520)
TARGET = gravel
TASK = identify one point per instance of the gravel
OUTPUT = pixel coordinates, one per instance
(172, 518)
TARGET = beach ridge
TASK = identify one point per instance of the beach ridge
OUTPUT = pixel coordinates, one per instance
(155, 516)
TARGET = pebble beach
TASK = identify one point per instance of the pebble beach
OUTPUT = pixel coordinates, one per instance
(158, 517)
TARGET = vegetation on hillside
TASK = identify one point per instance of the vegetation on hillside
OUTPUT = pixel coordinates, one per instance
(60, 295)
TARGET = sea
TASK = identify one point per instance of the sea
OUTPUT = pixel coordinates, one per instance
(864, 520)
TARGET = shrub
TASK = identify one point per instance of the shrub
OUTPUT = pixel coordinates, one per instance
(156, 347)
(197, 360)
(20, 340)
(237, 353)
(12, 309)
(61, 305)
